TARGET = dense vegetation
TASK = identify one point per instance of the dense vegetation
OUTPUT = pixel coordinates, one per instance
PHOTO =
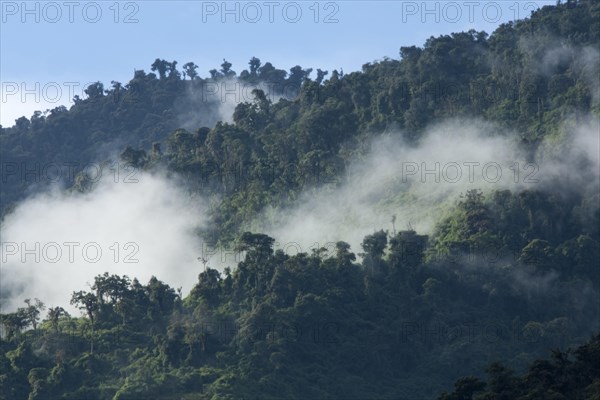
(405, 321)
(566, 375)
(304, 326)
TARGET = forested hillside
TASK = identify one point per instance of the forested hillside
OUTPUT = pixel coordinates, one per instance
(572, 374)
(506, 274)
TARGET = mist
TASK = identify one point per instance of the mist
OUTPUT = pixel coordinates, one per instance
(581, 61)
(210, 102)
(418, 183)
(150, 227)
(56, 242)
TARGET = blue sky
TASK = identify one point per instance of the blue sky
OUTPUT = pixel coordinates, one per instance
(50, 51)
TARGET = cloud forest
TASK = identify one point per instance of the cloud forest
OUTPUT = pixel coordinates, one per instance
(425, 228)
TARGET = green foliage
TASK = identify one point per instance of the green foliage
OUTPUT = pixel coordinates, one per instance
(566, 375)
(505, 276)
(312, 326)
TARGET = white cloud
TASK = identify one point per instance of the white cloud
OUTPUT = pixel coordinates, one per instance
(152, 221)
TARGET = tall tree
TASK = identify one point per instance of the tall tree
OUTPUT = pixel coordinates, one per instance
(162, 66)
(33, 310)
(189, 69)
